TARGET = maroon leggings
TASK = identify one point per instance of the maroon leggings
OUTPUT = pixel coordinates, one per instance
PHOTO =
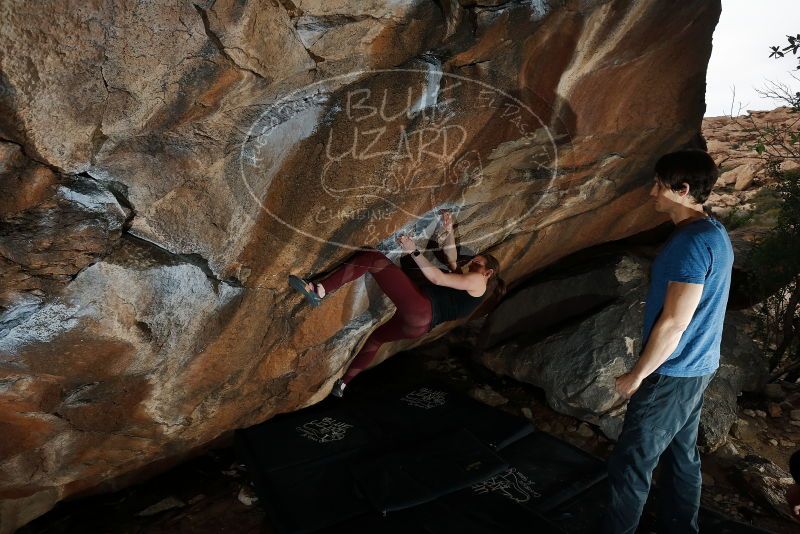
(413, 315)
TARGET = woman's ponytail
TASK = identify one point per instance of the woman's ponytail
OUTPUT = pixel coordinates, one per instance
(497, 284)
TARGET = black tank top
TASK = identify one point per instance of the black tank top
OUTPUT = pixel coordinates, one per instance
(448, 304)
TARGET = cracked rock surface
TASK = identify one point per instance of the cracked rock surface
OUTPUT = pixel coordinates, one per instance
(165, 165)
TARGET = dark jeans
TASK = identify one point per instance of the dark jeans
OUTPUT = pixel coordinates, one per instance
(661, 422)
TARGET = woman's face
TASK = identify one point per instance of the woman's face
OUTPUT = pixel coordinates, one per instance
(477, 265)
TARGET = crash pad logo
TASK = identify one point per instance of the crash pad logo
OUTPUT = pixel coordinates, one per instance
(511, 484)
(373, 151)
(324, 430)
(425, 398)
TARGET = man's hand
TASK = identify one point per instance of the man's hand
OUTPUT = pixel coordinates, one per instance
(627, 385)
(793, 498)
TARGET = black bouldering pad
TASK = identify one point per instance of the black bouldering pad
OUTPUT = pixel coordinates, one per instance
(444, 517)
(300, 464)
(410, 414)
(555, 470)
(440, 517)
(377, 524)
(494, 506)
(543, 472)
(425, 471)
(418, 443)
(309, 497)
(316, 433)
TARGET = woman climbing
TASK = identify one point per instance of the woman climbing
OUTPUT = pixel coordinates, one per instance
(450, 295)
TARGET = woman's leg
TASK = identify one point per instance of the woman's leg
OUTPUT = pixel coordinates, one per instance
(406, 295)
(413, 313)
(395, 328)
(360, 263)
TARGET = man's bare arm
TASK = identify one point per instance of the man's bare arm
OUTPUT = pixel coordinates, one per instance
(680, 304)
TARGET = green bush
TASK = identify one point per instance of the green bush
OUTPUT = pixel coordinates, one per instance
(737, 218)
(774, 267)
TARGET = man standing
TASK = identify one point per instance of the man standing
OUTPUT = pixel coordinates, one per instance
(689, 284)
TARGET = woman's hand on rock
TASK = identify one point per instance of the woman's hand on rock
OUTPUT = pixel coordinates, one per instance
(447, 221)
(406, 243)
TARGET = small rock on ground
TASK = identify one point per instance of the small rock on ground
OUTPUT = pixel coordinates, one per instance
(487, 395)
(585, 431)
(247, 496)
(728, 450)
(545, 427)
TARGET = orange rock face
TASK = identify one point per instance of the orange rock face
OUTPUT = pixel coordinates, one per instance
(165, 167)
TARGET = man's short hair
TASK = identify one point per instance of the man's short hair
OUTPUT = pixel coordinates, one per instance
(693, 166)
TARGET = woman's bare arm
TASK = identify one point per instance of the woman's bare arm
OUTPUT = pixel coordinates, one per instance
(466, 281)
(449, 247)
(431, 272)
(469, 281)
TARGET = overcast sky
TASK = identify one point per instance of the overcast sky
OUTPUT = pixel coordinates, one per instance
(740, 54)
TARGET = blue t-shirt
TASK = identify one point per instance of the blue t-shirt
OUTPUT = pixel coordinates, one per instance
(699, 252)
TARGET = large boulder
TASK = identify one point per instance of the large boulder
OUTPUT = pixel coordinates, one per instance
(766, 482)
(742, 367)
(166, 165)
(576, 362)
(538, 308)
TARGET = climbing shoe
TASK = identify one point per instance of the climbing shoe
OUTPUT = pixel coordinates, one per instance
(299, 284)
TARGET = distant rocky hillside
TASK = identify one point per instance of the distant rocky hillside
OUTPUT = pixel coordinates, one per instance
(743, 195)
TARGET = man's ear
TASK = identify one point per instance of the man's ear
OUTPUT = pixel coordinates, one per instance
(685, 189)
